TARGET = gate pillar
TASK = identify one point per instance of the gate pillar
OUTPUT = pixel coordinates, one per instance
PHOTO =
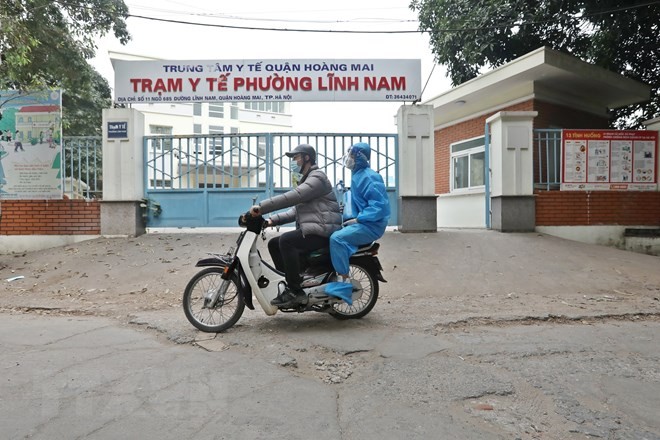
(123, 172)
(418, 208)
(511, 161)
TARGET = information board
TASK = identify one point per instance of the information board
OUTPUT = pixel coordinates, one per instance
(609, 160)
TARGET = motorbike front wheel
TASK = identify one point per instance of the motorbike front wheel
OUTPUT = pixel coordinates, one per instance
(212, 304)
(367, 300)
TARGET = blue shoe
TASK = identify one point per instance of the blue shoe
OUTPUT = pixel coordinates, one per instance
(342, 290)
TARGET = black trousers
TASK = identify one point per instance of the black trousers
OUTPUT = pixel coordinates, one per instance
(286, 250)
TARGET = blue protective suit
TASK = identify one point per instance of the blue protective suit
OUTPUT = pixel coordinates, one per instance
(370, 206)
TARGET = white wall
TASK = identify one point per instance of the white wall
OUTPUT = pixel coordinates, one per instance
(181, 125)
(462, 211)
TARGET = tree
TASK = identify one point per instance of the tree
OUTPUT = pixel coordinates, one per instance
(46, 43)
(623, 36)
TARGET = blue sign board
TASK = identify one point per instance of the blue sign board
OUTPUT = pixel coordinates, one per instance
(118, 130)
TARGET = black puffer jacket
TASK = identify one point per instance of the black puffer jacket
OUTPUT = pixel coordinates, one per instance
(313, 205)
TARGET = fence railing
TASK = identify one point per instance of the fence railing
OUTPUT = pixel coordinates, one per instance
(254, 161)
(82, 165)
(547, 159)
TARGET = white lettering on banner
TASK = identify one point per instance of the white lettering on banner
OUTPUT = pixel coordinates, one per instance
(267, 80)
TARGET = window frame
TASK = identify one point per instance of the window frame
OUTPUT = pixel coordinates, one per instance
(468, 151)
(217, 110)
(163, 144)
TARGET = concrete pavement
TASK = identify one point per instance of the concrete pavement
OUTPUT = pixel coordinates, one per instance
(477, 335)
(73, 377)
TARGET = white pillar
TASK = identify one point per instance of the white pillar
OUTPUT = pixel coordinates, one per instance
(416, 169)
(512, 171)
(123, 172)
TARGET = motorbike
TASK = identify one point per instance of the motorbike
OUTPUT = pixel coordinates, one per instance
(215, 298)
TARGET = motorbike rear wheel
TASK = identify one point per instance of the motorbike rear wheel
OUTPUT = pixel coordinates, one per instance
(229, 303)
(367, 300)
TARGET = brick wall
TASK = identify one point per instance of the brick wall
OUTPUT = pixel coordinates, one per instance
(554, 116)
(557, 208)
(588, 208)
(50, 217)
(464, 130)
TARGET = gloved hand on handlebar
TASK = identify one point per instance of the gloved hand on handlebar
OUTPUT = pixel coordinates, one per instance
(254, 223)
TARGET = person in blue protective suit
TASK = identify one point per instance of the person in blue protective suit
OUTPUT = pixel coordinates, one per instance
(370, 209)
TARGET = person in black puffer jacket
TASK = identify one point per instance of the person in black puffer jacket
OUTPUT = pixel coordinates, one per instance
(316, 212)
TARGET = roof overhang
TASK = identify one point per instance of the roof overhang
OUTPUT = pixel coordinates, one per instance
(543, 74)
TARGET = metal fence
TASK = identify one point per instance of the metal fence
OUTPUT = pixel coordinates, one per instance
(208, 180)
(547, 159)
(251, 161)
(82, 165)
(82, 159)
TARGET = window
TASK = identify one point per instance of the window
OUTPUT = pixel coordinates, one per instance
(162, 130)
(197, 129)
(215, 143)
(216, 129)
(261, 106)
(197, 109)
(216, 110)
(235, 143)
(212, 185)
(468, 164)
(261, 147)
(234, 111)
(160, 183)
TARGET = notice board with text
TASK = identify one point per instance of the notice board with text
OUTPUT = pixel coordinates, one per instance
(609, 160)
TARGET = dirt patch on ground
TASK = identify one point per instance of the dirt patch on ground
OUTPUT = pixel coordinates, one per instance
(434, 280)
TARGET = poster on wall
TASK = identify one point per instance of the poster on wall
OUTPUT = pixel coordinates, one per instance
(30, 145)
(609, 160)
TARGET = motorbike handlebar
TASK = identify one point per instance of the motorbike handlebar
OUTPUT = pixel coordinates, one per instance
(252, 223)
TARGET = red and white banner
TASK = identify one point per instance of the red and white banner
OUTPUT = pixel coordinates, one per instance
(609, 160)
(267, 80)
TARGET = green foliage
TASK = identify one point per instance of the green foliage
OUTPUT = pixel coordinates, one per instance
(623, 36)
(83, 104)
(46, 43)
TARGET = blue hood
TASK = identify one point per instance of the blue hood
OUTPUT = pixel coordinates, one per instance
(362, 154)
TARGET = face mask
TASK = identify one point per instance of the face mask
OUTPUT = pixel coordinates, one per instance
(349, 162)
(296, 175)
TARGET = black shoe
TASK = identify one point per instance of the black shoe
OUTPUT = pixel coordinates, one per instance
(290, 298)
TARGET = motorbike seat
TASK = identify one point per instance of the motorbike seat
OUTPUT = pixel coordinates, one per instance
(318, 261)
(325, 251)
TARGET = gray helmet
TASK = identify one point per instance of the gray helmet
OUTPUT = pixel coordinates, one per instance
(304, 149)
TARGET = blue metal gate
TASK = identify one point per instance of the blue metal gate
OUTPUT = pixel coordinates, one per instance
(209, 180)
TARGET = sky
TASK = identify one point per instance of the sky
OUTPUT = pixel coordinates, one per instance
(174, 41)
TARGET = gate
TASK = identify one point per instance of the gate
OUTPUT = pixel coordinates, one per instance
(209, 180)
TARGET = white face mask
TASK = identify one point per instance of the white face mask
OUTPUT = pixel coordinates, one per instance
(348, 160)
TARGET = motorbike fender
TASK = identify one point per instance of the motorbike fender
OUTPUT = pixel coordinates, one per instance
(245, 288)
(370, 263)
(212, 262)
(243, 284)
